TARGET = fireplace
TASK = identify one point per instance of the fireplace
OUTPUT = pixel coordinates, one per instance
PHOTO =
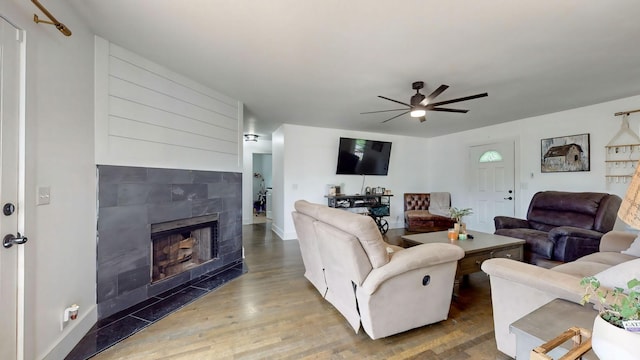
(181, 245)
(136, 205)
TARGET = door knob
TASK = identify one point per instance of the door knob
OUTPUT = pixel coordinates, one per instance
(508, 198)
(11, 239)
(8, 209)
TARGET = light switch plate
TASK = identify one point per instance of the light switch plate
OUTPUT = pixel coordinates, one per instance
(44, 195)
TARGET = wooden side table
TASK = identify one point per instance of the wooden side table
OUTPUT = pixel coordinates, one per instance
(581, 340)
(549, 321)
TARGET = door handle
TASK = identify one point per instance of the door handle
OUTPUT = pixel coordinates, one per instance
(10, 239)
(509, 198)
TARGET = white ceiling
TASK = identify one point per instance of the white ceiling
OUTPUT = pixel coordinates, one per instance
(322, 63)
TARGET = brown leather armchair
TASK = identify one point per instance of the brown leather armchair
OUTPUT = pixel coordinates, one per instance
(426, 212)
(562, 226)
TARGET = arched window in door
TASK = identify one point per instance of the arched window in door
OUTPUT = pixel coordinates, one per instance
(490, 156)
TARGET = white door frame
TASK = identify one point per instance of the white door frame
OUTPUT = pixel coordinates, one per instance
(16, 254)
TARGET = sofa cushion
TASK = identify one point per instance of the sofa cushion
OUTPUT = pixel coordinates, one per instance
(416, 201)
(362, 227)
(307, 208)
(424, 220)
(537, 240)
(545, 220)
(618, 275)
(581, 268)
(416, 215)
(634, 249)
(440, 203)
(586, 210)
(584, 203)
(607, 258)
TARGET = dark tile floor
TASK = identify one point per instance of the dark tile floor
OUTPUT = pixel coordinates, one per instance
(118, 327)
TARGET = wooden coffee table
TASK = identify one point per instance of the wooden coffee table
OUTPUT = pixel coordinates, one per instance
(483, 246)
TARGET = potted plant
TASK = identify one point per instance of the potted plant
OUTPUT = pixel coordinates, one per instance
(616, 329)
(458, 214)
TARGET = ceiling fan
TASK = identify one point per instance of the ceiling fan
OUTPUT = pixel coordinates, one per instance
(420, 104)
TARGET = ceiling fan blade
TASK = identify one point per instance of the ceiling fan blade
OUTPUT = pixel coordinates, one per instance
(395, 101)
(449, 110)
(406, 112)
(422, 119)
(433, 95)
(379, 111)
(458, 100)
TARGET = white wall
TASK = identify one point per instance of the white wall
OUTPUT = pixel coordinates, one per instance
(308, 164)
(597, 120)
(278, 149)
(61, 252)
(148, 115)
(304, 161)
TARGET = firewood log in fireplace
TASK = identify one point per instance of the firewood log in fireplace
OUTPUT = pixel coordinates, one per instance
(174, 257)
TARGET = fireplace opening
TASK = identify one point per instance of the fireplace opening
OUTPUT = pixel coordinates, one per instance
(181, 245)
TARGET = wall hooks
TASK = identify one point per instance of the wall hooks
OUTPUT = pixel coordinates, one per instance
(60, 26)
(626, 112)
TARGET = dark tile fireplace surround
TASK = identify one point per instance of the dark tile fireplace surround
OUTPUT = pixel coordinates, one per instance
(131, 200)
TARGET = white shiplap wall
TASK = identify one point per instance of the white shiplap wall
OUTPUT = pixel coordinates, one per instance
(147, 115)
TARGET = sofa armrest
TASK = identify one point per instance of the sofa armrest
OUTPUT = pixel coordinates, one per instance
(392, 249)
(519, 288)
(506, 222)
(571, 243)
(416, 257)
(616, 241)
(557, 284)
(561, 231)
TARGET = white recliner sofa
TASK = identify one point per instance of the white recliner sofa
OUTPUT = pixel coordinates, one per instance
(383, 288)
(519, 288)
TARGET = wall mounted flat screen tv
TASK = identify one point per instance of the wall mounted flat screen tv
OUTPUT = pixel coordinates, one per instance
(363, 157)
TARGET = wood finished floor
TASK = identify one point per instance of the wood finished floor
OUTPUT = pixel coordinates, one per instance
(273, 312)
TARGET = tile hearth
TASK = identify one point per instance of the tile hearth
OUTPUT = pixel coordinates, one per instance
(125, 323)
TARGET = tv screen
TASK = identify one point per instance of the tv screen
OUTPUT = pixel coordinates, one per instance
(363, 157)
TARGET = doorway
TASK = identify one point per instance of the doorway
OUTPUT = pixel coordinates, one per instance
(11, 188)
(491, 183)
(261, 189)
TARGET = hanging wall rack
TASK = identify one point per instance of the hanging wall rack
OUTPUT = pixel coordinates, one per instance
(626, 112)
(622, 152)
(60, 26)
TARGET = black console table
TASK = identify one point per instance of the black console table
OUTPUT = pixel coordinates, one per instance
(376, 205)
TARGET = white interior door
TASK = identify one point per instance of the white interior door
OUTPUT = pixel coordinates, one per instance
(10, 94)
(491, 184)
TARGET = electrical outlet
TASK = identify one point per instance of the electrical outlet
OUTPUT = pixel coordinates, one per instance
(70, 313)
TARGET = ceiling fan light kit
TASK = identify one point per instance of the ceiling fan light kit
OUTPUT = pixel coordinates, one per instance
(420, 104)
(418, 112)
(251, 137)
